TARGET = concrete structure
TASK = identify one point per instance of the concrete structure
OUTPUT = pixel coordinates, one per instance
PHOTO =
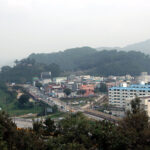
(145, 104)
(119, 95)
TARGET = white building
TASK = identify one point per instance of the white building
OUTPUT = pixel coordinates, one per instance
(46, 81)
(119, 95)
(145, 104)
(59, 79)
(144, 77)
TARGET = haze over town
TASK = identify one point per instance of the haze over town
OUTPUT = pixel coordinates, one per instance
(74, 75)
(38, 26)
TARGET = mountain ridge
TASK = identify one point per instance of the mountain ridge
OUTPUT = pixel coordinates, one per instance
(105, 62)
(143, 46)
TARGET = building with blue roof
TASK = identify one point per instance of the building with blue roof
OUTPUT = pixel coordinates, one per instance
(119, 95)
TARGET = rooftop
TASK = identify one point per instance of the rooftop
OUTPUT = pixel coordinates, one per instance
(133, 87)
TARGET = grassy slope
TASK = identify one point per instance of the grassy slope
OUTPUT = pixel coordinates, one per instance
(11, 108)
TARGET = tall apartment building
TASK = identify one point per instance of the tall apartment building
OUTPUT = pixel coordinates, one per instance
(119, 95)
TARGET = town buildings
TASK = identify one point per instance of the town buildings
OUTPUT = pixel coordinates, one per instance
(89, 89)
(119, 95)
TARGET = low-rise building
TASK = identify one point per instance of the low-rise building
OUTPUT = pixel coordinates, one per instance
(58, 80)
(89, 89)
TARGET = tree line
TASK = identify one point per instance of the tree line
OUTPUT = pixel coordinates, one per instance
(76, 132)
(94, 62)
(25, 70)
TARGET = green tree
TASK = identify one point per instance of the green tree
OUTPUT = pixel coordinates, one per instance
(23, 101)
(26, 139)
(135, 105)
(67, 91)
(135, 127)
(75, 129)
(103, 88)
(81, 92)
(7, 131)
(38, 127)
(38, 85)
(105, 136)
(49, 127)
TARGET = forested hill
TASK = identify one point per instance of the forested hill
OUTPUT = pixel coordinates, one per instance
(97, 62)
(25, 70)
(67, 60)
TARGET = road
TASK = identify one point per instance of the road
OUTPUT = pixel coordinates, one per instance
(99, 99)
(62, 106)
(38, 95)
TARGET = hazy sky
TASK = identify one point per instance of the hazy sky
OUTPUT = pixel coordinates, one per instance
(28, 26)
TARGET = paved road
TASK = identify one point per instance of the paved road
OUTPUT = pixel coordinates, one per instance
(37, 94)
(100, 98)
(64, 107)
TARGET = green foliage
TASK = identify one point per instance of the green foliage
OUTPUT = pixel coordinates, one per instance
(38, 85)
(9, 102)
(49, 126)
(67, 91)
(28, 140)
(25, 70)
(45, 112)
(67, 60)
(106, 136)
(7, 96)
(135, 105)
(97, 62)
(81, 92)
(76, 132)
(13, 139)
(23, 102)
(23, 99)
(44, 128)
(136, 128)
(38, 127)
(103, 88)
(55, 109)
(7, 130)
